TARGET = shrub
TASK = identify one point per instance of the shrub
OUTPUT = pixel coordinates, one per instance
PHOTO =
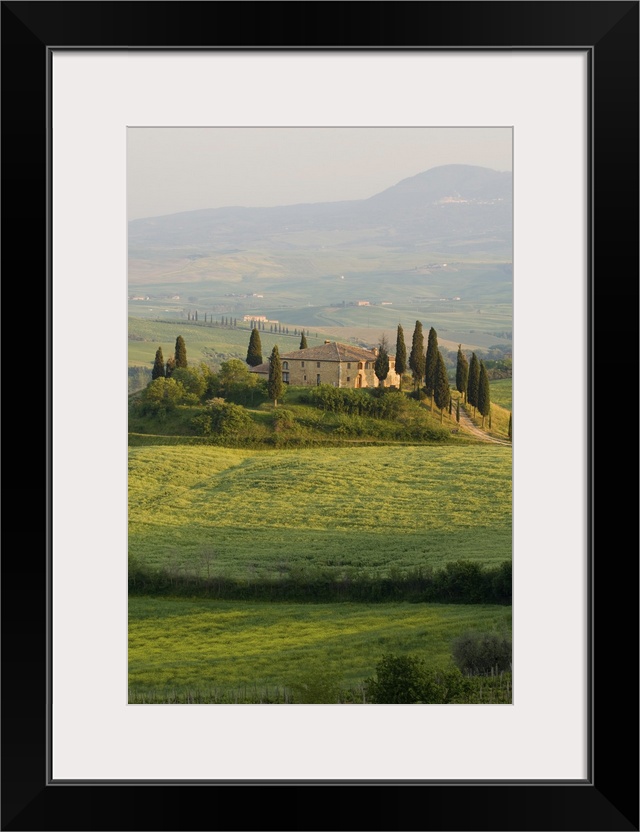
(195, 381)
(481, 654)
(283, 419)
(161, 395)
(227, 419)
(403, 680)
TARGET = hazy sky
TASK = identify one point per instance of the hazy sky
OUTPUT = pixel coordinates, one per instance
(171, 169)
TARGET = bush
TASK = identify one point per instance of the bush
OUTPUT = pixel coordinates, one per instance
(228, 420)
(481, 654)
(283, 419)
(404, 680)
(195, 381)
(161, 396)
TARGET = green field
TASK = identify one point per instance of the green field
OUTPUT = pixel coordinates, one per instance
(475, 327)
(501, 392)
(211, 344)
(261, 513)
(182, 644)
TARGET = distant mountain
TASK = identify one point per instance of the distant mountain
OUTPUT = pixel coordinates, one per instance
(451, 207)
(461, 182)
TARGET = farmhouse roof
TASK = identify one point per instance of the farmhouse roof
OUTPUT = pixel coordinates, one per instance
(260, 368)
(332, 352)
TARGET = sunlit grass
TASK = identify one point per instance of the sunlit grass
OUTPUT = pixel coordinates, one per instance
(501, 392)
(212, 344)
(220, 644)
(239, 513)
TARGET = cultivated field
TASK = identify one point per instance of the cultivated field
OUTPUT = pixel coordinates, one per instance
(211, 344)
(501, 392)
(179, 644)
(262, 513)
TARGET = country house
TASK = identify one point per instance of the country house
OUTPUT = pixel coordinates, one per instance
(341, 365)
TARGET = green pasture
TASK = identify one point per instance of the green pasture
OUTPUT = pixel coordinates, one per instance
(501, 392)
(212, 344)
(178, 644)
(242, 513)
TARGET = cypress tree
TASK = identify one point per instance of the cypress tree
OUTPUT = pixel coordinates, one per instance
(484, 395)
(274, 384)
(158, 366)
(254, 352)
(441, 391)
(474, 381)
(462, 372)
(401, 354)
(180, 352)
(417, 357)
(171, 365)
(196, 315)
(431, 363)
(381, 365)
(303, 342)
(458, 411)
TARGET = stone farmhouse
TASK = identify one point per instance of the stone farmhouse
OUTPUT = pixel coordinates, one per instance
(341, 365)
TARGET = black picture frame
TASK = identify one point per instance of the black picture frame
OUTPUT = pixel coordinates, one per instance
(608, 799)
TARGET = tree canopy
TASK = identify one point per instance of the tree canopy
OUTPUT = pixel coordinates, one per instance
(275, 383)
(484, 393)
(180, 352)
(401, 353)
(474, 381)
(441, 392)
(254, 351)
(462, 372)
(417, 357)
(158, 370)
(381, 364)
(431, 363)
(303, 341)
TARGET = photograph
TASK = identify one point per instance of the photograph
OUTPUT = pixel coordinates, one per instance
(281, 228)
(320, 330)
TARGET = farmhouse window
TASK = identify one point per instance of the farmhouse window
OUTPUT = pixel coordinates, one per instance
(348, 366)
(348, 378)
(317, 363)
(302, 362)
(285, 378)
(305, 378)
(285, 365)
(318, 379)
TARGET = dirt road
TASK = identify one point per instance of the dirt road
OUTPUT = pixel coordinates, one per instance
(466, 422)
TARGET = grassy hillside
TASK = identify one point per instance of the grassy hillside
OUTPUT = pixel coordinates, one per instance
(180, 644)
(501, 392)
(212, 344)
(264, 513)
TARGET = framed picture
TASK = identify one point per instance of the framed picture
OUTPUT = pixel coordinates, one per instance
(564, 78)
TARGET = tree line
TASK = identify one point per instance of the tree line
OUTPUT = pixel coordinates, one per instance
(427, 367)
(429, 371)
